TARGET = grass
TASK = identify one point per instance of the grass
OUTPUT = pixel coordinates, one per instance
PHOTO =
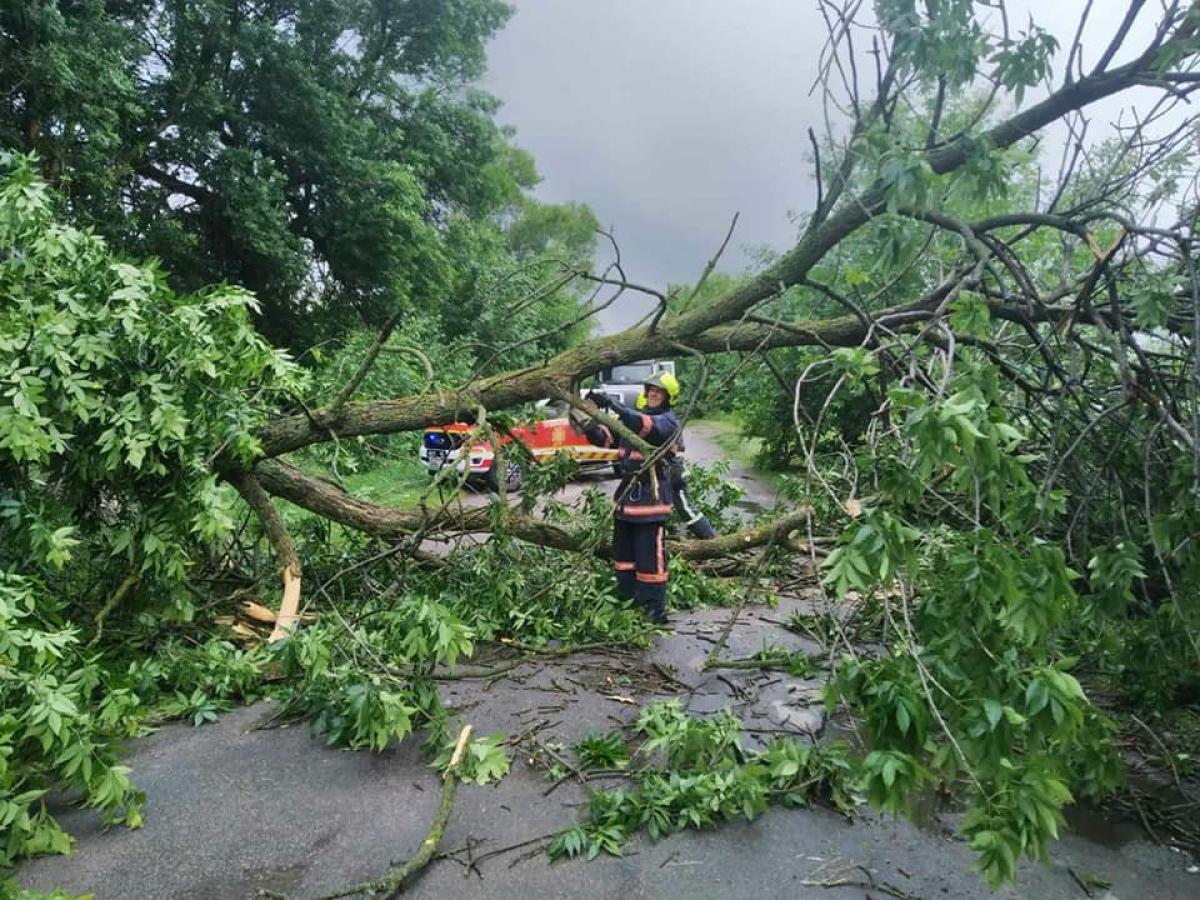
(393, 481)
(736, 446)
(396, 482)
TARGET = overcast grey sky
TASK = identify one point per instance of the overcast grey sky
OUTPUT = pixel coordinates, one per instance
(667, 116)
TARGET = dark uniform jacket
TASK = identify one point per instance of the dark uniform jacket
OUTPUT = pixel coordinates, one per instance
(646, 497)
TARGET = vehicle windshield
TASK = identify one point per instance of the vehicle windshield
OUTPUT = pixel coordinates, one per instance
(553, 409)
(634, 373)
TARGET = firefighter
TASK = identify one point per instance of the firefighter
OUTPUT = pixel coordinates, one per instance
(693, 519)
(645, 494)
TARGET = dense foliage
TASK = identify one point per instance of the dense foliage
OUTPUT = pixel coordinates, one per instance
(982, 384)
(117, 391)
(330, 156)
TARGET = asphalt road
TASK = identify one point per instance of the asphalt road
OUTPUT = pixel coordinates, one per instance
(235, 807)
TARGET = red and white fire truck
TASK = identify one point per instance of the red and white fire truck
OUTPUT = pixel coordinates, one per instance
(452, 444)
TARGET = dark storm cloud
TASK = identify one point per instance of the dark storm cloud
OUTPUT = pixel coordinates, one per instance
(667, 116)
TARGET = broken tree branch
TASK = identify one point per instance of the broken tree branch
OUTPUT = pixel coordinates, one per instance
(393, 882)
(712, 263)
(112, 603)
(331, 502)
(281, 542)
(347, 391)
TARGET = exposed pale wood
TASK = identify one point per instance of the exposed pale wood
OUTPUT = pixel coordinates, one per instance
(281, 542)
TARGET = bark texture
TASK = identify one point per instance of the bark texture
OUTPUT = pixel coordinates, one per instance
(333, 503)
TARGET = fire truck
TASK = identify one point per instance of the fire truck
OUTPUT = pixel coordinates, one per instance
(453, 444)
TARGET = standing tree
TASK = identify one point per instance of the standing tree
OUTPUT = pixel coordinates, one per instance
(314, 152)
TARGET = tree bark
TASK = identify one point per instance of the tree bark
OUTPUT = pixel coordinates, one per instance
(330, 502)
(259, 500)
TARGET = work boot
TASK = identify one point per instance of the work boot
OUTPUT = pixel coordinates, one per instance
(656, 612)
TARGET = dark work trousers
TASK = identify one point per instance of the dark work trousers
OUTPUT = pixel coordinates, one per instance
(640, 558)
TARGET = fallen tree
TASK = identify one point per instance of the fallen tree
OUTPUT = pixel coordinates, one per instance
(973, 686)
(331, 502)
(862, 190)
(1006, 333)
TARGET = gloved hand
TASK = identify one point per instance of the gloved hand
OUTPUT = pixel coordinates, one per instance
(603, 401)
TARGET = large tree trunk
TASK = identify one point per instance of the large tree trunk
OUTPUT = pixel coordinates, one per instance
(333, 503)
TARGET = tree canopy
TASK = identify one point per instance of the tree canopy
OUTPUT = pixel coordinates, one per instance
(318, 153)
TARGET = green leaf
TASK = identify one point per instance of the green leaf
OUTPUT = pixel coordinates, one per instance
(994, 710)
(1036, 697)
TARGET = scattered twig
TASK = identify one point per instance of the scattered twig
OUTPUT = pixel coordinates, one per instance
(450, 854)
(393, 882)
(843, 879)
(665, 673)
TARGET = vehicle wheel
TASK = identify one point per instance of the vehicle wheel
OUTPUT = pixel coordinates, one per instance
(514, 474)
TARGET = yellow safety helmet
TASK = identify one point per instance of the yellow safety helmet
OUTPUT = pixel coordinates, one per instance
(664, 380)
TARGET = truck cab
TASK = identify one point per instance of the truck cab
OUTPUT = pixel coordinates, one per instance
(624, 383)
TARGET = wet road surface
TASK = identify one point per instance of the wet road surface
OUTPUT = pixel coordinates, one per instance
(235, 807)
